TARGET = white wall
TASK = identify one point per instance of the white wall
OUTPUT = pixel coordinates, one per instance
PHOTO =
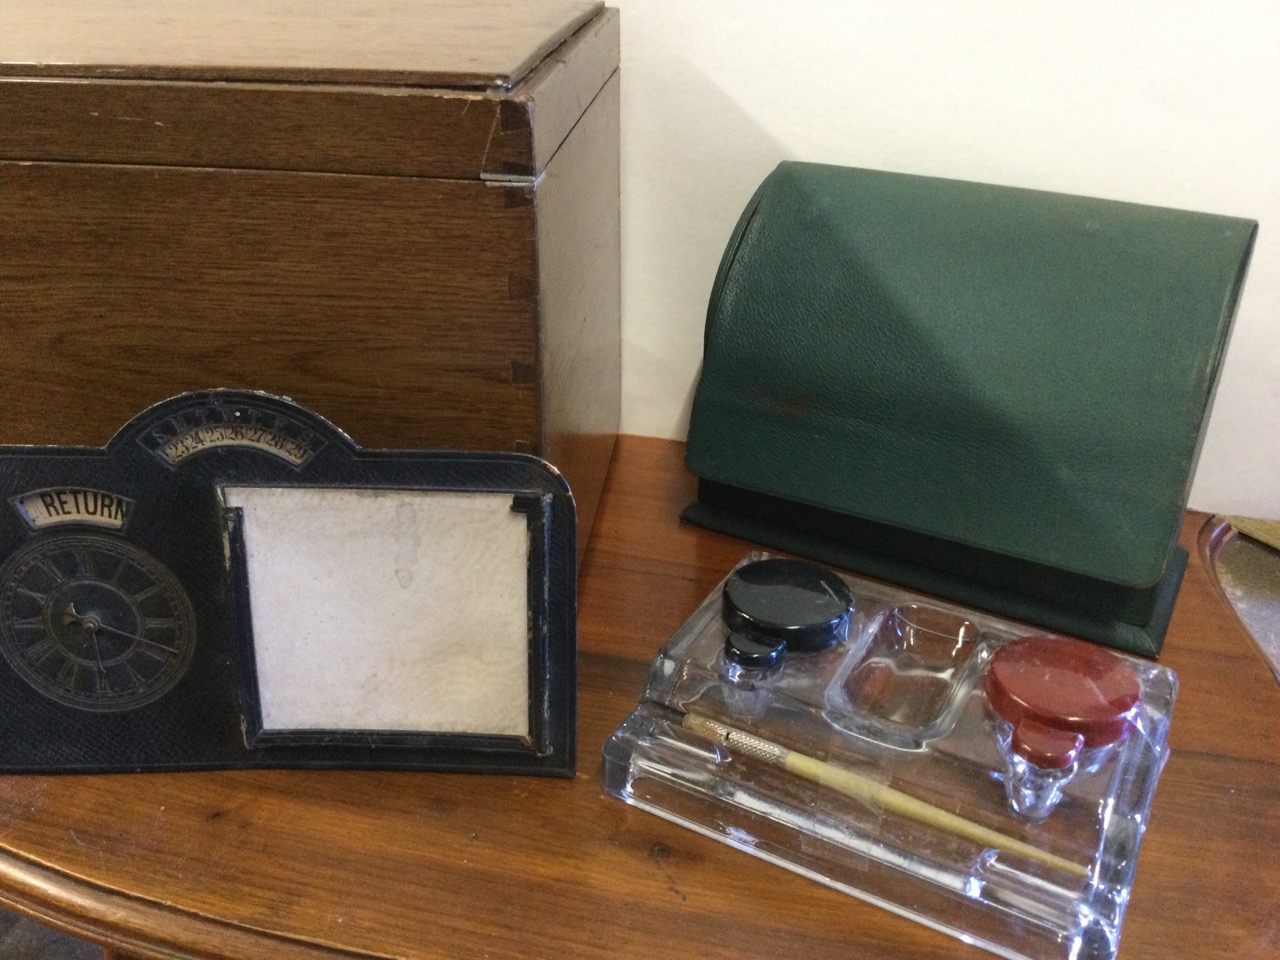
(1167, 102)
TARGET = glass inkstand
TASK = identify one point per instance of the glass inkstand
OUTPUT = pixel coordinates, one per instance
(948, 765)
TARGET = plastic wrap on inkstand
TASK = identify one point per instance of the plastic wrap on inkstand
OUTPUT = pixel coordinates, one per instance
(906, 751)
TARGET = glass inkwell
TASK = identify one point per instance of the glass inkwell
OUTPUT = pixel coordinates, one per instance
(900, 749)
(773, 608)
(1061, 705)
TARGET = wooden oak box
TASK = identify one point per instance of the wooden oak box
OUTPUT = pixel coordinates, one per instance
(403, 215)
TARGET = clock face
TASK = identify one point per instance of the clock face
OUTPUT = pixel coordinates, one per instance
(94, 622)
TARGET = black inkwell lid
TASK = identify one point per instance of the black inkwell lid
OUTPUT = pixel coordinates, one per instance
(769, 604)
(749, 652)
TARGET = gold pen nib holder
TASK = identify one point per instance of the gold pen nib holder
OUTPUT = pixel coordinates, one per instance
(956, 768)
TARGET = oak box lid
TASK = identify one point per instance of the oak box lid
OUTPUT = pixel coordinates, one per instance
(348, 86)
(481, 43)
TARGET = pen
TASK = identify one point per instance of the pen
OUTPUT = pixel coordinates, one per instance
(853, 784)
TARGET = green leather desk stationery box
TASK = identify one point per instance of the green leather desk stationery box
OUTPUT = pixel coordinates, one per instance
(403, 215)
(991, 394)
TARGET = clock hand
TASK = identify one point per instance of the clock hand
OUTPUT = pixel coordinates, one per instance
(97, 651)
(92, 625)
(69, 616)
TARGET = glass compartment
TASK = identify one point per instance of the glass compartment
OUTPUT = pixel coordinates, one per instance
(905, 689)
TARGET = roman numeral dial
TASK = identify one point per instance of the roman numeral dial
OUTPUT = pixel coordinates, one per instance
(94, 622)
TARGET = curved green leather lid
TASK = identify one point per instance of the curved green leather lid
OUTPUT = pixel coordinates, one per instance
(1022, 372)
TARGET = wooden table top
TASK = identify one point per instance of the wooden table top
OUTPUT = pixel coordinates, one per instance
(298, 864)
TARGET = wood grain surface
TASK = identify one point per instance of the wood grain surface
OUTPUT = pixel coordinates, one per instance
(580, 350)
(314, 865)
(387, 304)
(481, 43)
(442, 132)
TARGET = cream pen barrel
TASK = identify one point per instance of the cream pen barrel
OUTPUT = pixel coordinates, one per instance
(853, 784)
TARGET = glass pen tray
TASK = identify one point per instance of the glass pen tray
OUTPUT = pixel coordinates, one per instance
(881, 760)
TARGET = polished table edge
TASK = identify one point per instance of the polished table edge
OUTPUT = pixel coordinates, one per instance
(136, 927)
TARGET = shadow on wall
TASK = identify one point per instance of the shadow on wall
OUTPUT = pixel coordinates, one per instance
(673, 242)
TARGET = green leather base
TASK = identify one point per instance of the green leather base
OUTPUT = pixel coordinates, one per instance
(1130, 619)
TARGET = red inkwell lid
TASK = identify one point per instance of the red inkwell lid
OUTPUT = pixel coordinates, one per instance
(1061, 695)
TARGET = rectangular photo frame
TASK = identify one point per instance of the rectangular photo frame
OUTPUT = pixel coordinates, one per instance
(394, 619)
